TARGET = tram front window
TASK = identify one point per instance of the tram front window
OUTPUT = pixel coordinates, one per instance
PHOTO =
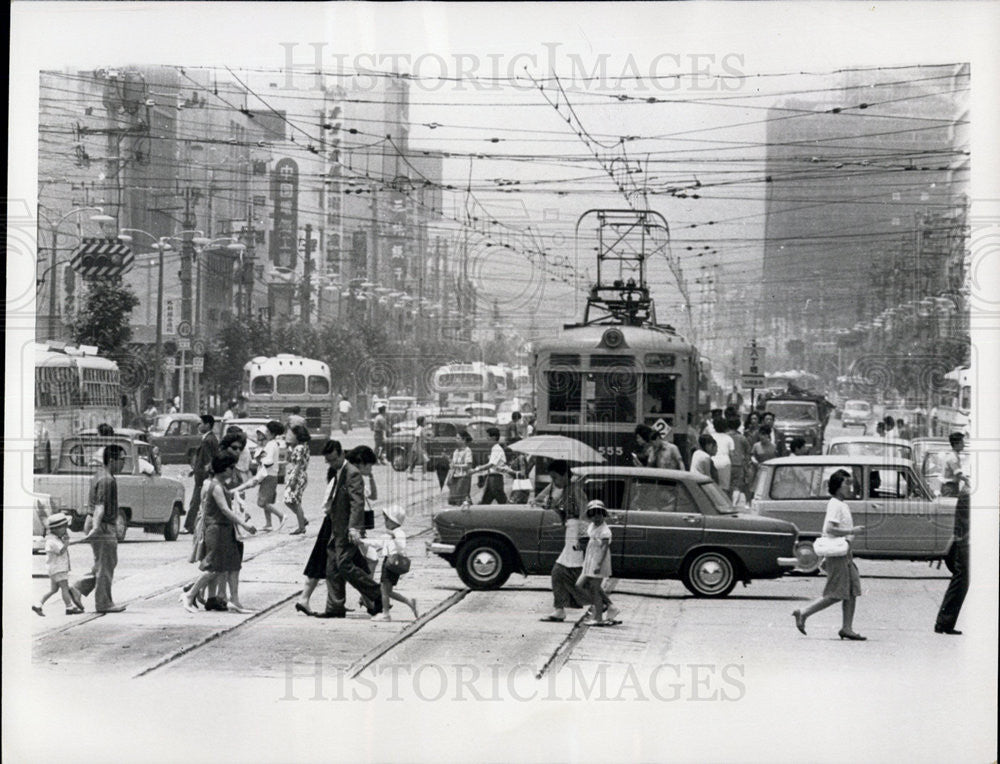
(564, 390)
(660, 398)
(610, 397)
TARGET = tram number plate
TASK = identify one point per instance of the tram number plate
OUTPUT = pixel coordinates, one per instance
(611, 450)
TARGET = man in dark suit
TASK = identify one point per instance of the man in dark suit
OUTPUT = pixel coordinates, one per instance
(345, 504)
(201, 466)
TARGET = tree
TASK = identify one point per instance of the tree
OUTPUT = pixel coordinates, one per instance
(104, 319)
(237, 342)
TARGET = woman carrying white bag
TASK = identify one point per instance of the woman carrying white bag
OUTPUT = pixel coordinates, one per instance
(843, 583)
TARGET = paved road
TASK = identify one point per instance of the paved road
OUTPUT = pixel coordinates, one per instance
(698, 666)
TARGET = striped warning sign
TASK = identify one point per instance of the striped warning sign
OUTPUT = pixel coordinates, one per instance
(100, 258)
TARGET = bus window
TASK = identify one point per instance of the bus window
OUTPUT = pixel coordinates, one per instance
(262, 385)
(318, 385)
(291, 384)
(661, 394)
(564, 391)
(965, 400)
(611, 396)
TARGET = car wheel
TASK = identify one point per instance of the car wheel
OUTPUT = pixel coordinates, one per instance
(121, 524)
(398, 459)
(710, 574)
(484, 564)
(172, 528)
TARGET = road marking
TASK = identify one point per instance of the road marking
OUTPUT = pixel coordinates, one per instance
(377, 652)
(216, 635)
(561, 654)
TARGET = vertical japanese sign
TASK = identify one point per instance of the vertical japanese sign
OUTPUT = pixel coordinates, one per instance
(397, 238)
(753, 365)
(285, 197)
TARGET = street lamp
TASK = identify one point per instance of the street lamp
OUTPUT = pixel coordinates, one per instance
(160, 244)
(101, 219)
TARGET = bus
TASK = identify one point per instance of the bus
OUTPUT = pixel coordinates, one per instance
(270, 385)
(459, 384)
(952, 412)
(75, 389)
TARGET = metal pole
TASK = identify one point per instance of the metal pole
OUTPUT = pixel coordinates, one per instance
(181, 379)
(53, 291)
(158, 371)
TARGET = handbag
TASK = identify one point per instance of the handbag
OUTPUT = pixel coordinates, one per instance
(369, 515)
(397, 563)
(520, 484)
(827, 547)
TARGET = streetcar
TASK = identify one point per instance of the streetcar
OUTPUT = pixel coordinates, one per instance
(618, 368)
(273, 384)
(75, 389)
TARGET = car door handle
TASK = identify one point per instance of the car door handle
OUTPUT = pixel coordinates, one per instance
(615, 517)
(876, 505)
(692, 519)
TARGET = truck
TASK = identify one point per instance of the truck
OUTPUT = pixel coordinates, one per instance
(797, 413)
(145, 499)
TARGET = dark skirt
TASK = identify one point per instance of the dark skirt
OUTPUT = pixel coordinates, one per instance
(459, 489)
(565, 592)
(223, 552)
(316, 566)
(843, 582)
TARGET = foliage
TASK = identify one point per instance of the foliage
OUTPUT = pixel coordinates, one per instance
(104, 318)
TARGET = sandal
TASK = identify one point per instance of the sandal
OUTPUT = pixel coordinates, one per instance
(38, 610)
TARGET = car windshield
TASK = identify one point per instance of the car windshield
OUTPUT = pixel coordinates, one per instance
(855, 406)
(865, 448)
(786, 410)
(718, 498)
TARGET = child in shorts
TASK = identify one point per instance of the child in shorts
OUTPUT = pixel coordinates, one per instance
(597, 564)
(394, 516)
(57, 560)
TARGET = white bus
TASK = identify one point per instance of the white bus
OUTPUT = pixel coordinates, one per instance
(952, 412)
(271, 385)
(458, 384)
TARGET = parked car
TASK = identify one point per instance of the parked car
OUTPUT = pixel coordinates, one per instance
(482, 411)
(870, 445)
(856, 413)
(440, 443)
(177, 437)
(902, 520)
(250, 425)
(396, 408)
(145, 499)
(928, 458)
(665, 524)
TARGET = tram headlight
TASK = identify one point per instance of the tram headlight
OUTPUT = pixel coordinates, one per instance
(613, 338)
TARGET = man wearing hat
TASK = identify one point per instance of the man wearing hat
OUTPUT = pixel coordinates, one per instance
(201, 467)
(103, 510)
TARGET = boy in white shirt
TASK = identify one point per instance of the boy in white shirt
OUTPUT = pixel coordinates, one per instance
(395, 544)
(701, 459)
(57, 560)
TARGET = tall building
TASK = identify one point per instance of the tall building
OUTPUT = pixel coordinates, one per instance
(860, 179)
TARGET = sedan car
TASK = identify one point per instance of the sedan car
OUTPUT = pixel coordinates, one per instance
(176, 436)
(902, 520)
(870, 445)
(857, 413)
(440, 441)
(665, 524)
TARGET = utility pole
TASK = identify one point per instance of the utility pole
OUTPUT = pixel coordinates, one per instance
(188, 253)
(307, 276)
